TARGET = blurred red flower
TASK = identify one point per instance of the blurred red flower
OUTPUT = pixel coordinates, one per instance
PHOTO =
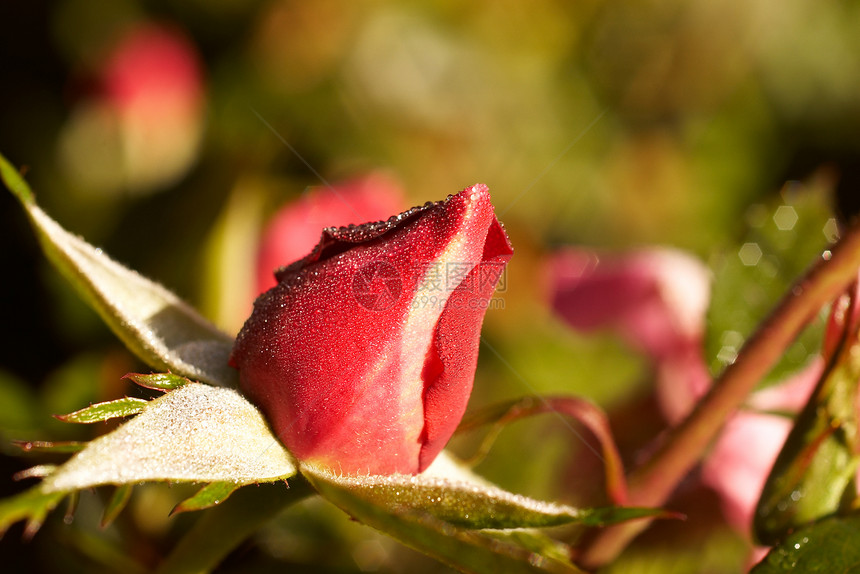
(295, 229)
(141, 129)
(153, 71)
(655, 299)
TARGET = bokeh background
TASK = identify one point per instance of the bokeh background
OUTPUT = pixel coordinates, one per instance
(169, 132)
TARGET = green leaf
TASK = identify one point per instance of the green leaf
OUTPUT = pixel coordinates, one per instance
(221, 529)
(16, 184)
(465, 550)
(459, 503)
(831, 545)
(536, 542)
(105, 411)
(158, 381)
(152, 322)
(207, 497)
(469, 504)
(753, 274)
(814, 474)
(196, 433)
(49, 446)
(116, 504)
(31, 505)
(38, 471)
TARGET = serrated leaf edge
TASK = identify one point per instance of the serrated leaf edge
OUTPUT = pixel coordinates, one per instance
(124, 407)
(210, 495)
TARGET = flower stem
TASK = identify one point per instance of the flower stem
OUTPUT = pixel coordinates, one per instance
(220, 530)
(653, 482)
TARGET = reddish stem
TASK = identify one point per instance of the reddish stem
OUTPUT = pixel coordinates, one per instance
(653, 482)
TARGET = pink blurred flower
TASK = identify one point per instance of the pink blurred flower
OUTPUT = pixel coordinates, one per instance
(742, 456)
(153, 72)
(657, 300)
(296, 228)
(740, 461)
(142, 127)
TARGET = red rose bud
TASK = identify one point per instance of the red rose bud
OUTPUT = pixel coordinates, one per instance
(363, 355)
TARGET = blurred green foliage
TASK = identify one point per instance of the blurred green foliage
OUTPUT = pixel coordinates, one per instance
(783, 237)
(611, 123)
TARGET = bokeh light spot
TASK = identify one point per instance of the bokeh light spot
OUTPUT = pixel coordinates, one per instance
(750, 254)
(370, 555)
(831, 230)
(785, 217)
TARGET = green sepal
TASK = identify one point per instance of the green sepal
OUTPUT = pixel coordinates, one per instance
(99, 412)
(158, 381)
(38, 471)
(608, 515)
(196, 433)
(222, 528)
(210, 495)
(32, 505)
(50, 446)
(15, 182)
(118, 501)
(467, 550)
(463, 504)
(469, 504)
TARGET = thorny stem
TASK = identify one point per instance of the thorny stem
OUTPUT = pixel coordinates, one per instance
(653, 482)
